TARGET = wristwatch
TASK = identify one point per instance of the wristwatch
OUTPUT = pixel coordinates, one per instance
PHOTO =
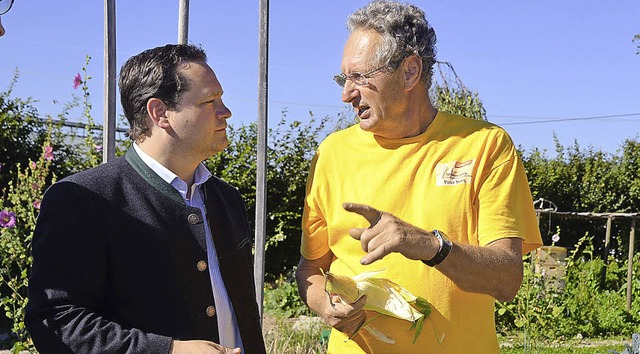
(443, 251)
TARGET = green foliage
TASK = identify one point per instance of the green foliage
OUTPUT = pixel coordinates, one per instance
(291, 146)
(281, 299)
(584, 308)
(586, 180)
(60, 152)
(22, 199)
(283, 335)
(21, 134)
(452, 96)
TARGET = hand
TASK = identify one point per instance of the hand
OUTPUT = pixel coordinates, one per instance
(388, 233)
(346, 318)
(200, 346)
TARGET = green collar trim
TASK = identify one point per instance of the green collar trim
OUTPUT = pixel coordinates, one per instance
(151, 177)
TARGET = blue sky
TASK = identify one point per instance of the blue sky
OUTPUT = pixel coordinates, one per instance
(530, 61)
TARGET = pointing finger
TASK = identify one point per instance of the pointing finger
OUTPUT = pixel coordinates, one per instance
(372, 215)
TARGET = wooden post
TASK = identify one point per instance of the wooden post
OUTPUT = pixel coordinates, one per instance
(632, 237)
(183, 22)
(109, 125)
(261, 163)
(605, 256)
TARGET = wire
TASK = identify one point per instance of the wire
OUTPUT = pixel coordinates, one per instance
(572, 119)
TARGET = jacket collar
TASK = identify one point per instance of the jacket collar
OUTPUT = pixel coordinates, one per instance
(151, 177)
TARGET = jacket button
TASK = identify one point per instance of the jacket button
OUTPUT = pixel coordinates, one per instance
(211, 311)
(202, 266)
(193, 218)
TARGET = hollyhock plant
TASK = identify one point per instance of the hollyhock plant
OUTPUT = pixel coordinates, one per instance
(7, 219)
(77, 81)
(555, 238)
(48, 153)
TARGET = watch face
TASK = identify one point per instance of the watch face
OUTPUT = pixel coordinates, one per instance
(445, 238)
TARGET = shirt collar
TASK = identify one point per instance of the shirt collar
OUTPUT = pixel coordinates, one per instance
(200, 176)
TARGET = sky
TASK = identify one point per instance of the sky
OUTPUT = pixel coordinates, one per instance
(542, 68)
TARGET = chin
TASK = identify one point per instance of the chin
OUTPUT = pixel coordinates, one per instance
(368, 125)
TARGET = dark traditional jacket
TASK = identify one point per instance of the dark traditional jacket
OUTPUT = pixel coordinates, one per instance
(120, 264)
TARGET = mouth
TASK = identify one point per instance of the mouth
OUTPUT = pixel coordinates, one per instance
(362, 111)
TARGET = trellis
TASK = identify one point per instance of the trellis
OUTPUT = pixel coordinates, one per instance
(605, 256)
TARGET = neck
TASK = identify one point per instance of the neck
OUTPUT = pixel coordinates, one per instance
(420, 113)
(174, 161)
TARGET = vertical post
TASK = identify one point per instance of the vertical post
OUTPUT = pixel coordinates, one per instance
(632, 238)
(183, 22)
(109, 125)
(261, 163)
(605, 256)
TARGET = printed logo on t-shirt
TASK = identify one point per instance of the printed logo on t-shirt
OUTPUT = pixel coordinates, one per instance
(454, 173)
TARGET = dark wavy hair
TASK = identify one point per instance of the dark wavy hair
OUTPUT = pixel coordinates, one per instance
(154, 73)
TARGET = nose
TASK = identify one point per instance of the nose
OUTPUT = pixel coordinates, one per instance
(349, 92)
(224, 112)
(1, 28)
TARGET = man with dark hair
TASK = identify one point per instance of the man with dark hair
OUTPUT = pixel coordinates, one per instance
(438, 203)
(149, 253)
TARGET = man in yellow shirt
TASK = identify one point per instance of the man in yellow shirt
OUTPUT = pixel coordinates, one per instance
(440, 203)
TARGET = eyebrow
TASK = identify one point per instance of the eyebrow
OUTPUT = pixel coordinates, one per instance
(212, 95)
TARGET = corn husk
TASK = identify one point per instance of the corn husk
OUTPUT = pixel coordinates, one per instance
(383, 296)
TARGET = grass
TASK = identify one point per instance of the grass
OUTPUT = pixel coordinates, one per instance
(288, 335)
(283, 335)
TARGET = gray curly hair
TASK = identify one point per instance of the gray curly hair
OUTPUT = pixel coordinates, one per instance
(404, 30)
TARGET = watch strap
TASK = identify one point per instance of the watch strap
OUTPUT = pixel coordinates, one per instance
(443, 251)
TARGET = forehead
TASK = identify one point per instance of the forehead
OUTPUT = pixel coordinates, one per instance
(360, 49)
(202, 79)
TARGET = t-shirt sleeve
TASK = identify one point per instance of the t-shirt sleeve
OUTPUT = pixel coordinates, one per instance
(505, 205)
(315, 239)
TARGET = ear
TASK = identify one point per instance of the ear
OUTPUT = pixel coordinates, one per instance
(157, 111)
(412, 69)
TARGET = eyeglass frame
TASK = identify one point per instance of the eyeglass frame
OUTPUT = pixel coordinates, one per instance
(341, 79)
(10, 2)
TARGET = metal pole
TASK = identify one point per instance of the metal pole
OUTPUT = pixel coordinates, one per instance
(632, 238)
(183, 22)
(605, 258)
(261, 163)
(109, 131)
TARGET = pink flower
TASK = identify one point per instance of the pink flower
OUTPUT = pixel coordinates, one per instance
(35, 186)
(77, 81)
(7, 219)
(98, 148)
(555, 238)
(33, 165)
(36, 204)
(48, 153)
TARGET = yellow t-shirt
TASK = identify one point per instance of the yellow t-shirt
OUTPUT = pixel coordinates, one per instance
(461, 176)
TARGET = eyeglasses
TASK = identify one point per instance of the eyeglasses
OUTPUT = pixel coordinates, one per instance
(357, 78)
(5, 6)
